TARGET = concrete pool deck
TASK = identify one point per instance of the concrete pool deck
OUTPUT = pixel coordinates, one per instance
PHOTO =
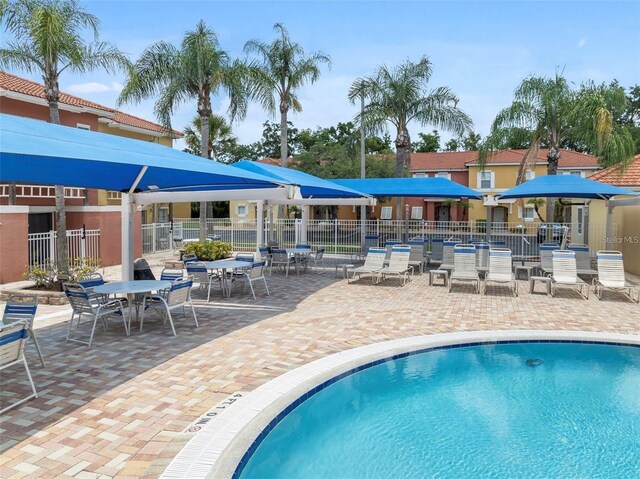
(120, 408)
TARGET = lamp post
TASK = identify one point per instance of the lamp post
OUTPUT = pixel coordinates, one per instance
(363, 208)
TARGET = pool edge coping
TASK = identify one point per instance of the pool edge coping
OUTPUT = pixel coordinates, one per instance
(218, 449)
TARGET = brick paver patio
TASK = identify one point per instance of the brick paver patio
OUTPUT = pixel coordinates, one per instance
(118, 409)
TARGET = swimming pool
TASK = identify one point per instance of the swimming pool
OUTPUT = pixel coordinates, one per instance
(553, 409)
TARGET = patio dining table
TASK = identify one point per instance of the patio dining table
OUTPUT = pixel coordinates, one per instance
(224, 265)
(298, 254)
(131, 288)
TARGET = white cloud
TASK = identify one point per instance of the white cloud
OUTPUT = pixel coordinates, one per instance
(582, 42)
(95, 87)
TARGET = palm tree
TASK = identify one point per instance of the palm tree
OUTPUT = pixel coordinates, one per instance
(196, 70)
(552, 113)
(220, 133)
(399, 96)
(47, 40)
(281, 69)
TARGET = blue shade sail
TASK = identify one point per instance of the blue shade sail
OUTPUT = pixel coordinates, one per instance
(564, 186)
(411, 187)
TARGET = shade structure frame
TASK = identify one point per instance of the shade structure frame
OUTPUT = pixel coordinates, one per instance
(441, 188)
(565, 186)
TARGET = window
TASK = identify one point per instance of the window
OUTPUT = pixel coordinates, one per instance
(416, 213)
(529, 213)
(485, 180)
(163, 214)
(82, 126)
(443, 174)
(241, 210)
(573, 173)
(419, 175)
(386, 213)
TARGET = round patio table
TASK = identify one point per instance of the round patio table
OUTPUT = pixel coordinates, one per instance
(224, 265)
(131, 288)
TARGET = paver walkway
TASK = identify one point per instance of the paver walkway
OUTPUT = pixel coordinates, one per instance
(118, 409)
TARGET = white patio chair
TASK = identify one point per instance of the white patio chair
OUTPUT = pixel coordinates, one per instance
(281, 259)
(500, 271)
(94, 307)
(265, 254)
(565, 272)
(256, 273)
(447, 253)
(201, 276)
(611, 275)
(398, 264)
(464, 265)
(189, 258)
(23, 308)
(373, 262)
(583, 260)
(171, 274)
(317, 258)
(417, 258)
(178, 296)
(12, 342)
(546, 257)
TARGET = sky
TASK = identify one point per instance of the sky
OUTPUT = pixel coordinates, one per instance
(481, 50)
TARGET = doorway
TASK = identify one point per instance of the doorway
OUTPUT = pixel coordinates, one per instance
(500, 216)
(40, 222)
(443, 213)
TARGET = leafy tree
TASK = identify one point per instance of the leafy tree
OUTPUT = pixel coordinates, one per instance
(282, 68)
(452, 145)
(270, 143)
(220, 136)
(554, 113)
(537, 203)
(471, 142)
(47, 40)
(196, 70)
(428, 143)
(399, 96)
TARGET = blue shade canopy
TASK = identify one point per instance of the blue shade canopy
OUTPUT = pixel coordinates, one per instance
(411, 187)
(564, 186)
(33, 151)
(310, 186)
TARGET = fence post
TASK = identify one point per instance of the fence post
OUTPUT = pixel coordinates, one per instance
(83, 247)
(153, 237)
(233, 246)
(335, 237)
(52, 247)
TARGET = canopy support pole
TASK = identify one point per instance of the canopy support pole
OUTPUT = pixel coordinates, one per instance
(304, 225)
(259, 224)
(488, 224)
(609, 220)
(271, 233)
(127, 237)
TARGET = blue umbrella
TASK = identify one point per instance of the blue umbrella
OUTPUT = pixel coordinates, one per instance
(564, 186)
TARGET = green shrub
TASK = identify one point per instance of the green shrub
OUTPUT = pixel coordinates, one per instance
(48, 276)
(209, 251)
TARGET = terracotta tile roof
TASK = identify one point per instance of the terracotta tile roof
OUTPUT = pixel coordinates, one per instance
(28, 87)
(568, 158)
(442, 161)
(618, 176)
(276, 161)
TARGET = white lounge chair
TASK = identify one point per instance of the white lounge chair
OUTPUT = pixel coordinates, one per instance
(464, 265)
(447, 253)
(611, 275)
(565, 272)
(12, 341)
(398, 264)
(546, 257)
(500, 269)
(373, 262)
(583, 260)
(417, 258)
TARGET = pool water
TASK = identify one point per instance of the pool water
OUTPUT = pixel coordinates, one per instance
(478, 411)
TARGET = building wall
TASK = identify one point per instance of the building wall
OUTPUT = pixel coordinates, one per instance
(14, 256)
(163, 140)
(41, 112)
(631, 237)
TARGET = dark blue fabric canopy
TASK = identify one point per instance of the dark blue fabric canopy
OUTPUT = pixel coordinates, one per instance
(33, 151)
(564, 186)
(310, 186)
(411, 187)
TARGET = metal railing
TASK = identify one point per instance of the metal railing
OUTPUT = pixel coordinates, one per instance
(39, 191)
(82, 243)
(344, 236)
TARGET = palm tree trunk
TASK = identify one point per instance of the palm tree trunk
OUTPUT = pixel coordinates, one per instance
(553, 155)
(402, 151)
(52, 94)
(204, 152)
(284, 154)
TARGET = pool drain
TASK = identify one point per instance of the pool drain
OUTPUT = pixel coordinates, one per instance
(534, 362)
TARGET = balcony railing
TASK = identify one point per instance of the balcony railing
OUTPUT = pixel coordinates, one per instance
(39, 191)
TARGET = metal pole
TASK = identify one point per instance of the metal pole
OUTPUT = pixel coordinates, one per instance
(406, 224)
(363, 208)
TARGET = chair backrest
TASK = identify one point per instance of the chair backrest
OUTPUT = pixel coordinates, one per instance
(320, 253)
(400, 255)
(482, 254)
(178, 243)
(447, 250)
(257, 270)
(169, 274)
(500, 262)
(305, 247)
(272, 244)
(246, 257)
(264, 251)
(189, 258)
(564, 265)
(370, 241)
(198, 271)
(20, 308)
(141, 270)
(279, 255)
(583, 256)
(12, 341)
(437, 245)
(79, 299)
(417, 251)
(92, 281)
(611, 268)
(389, 244)
(546, 257)
(464, 258)
(375, 258)
(214, 238)
(179, 291)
